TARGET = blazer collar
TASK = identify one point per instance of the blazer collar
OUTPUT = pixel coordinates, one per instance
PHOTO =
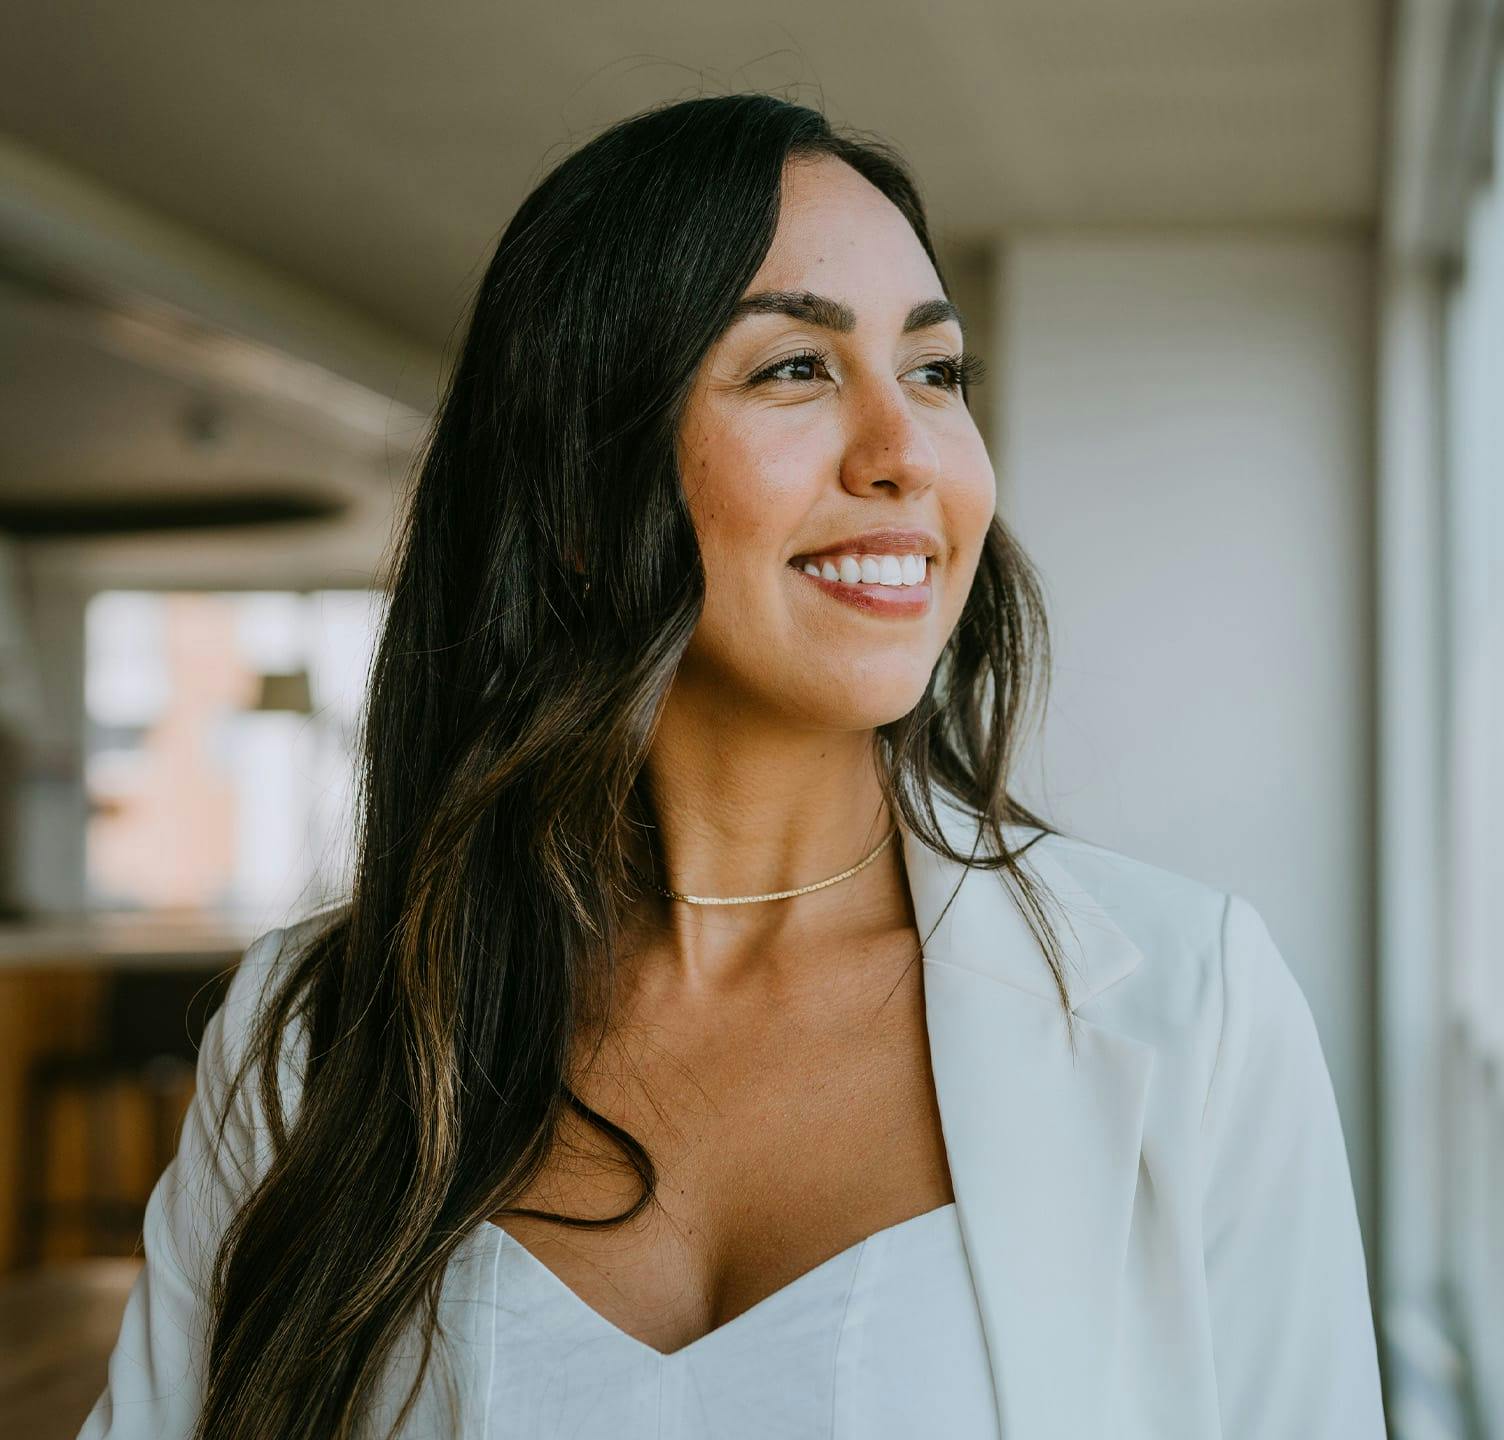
(1043, 1148)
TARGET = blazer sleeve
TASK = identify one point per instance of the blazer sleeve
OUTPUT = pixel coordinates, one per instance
(154, 1387)
(1293, 1339)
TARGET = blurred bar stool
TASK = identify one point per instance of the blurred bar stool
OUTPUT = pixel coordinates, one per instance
(151, 1027)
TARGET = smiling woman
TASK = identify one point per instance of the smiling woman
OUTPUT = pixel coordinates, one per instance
(644, 1087)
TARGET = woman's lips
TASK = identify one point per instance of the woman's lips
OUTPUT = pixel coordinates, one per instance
(897, 601)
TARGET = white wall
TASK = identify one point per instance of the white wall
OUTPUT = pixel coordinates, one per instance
(1182, 447)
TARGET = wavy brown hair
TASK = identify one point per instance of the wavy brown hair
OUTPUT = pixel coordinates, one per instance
(509, 715)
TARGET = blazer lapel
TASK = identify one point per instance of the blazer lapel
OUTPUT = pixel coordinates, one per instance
(1043, 1148)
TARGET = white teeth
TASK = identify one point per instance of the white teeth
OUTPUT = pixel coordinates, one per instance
(890, 570)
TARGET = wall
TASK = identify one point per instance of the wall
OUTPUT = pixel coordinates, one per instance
(1183, 448)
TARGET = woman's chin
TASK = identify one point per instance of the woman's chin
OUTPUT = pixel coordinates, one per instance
(849, 707)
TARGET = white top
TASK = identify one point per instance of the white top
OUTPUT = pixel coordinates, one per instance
(880, 1342)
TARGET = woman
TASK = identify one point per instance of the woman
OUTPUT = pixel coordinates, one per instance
(702, 598)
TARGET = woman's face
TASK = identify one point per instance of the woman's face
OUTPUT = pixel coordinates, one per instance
(790, 462)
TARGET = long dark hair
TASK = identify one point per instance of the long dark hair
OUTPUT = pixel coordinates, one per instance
(509, 715)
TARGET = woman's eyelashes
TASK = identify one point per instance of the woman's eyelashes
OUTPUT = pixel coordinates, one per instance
(807, 358)
(956, 370)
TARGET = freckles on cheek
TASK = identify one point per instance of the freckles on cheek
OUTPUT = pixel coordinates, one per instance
(751, 493)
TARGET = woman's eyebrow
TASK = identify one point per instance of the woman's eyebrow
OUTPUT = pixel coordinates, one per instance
(828, 314)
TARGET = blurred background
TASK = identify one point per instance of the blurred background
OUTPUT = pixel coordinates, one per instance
(1237, 268)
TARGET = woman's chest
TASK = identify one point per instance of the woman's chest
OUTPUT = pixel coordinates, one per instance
(779, 1136)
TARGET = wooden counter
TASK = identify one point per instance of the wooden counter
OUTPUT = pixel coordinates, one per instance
(126, 939)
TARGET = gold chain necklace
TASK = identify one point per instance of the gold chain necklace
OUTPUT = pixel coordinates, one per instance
(777, 894)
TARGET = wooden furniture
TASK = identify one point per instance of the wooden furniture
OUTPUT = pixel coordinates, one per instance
(57, 998)
(133, 1085)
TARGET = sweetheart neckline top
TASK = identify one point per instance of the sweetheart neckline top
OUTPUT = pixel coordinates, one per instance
(881, 1341)
(547, 1274)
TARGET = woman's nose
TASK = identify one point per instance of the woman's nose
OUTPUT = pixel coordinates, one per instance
(887, 442)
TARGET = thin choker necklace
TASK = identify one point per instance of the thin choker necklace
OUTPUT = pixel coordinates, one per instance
(777, 894)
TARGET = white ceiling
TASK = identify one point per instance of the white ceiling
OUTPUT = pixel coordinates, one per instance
(372, 154)
(377, 150)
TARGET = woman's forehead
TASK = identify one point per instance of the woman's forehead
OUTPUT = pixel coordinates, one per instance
(838, 235)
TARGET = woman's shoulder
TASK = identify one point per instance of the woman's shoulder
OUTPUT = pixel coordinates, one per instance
(1211, 991)
(265, 965)
(268, 959)
(1207, 960)
(1153, 904)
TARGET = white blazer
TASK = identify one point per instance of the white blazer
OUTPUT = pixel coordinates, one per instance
(1162, 1235)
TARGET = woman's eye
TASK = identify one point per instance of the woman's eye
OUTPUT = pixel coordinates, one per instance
(806, 361)
(949, 376)
(953, 370)
(956, 370)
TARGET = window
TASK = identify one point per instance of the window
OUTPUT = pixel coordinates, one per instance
(221, 748)
(1472, 798)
